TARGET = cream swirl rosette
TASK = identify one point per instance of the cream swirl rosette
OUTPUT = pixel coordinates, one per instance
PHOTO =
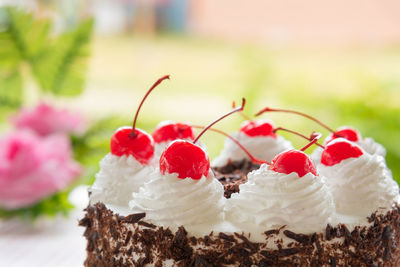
(171, 201)
(362, 185)
(271, 200)
(118, 177)
(368, 144)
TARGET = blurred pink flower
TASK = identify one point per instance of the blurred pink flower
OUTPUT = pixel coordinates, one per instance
(45, 119)
(34, 167)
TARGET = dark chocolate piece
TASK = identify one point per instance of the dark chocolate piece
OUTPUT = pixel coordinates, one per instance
(375, 245)
(234, 174)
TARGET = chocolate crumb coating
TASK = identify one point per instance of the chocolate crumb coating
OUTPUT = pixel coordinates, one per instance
(234, 174)
(115, 240)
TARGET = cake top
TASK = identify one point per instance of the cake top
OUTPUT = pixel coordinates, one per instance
(280, 184)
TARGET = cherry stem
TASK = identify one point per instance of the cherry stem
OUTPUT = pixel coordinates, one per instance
(296, 133)
(220, 118)
(268, 109)
(316, 136)
(133, 133)
(252, 158)
(241, 113)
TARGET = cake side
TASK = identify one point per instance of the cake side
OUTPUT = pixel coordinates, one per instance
(115, 240)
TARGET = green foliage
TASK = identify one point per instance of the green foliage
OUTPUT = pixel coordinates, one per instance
(11, 91)
(51, 206)
(59, 68)
(91, 147)
(58, 63)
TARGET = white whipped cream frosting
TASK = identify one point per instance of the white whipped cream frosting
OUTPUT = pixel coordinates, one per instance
(372, 147)
(118, 177)
(171, 202)
(368, 144)
(261, 147)
(361, 186)
(270, 200)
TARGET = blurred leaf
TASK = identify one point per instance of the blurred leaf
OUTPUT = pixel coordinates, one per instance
(21, 39)
(10, 92)
(91, 147)
(61, 68)
(54, 205)
(28, 34)
(58, 64)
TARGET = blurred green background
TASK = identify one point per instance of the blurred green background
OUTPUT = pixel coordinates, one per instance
(341, 80)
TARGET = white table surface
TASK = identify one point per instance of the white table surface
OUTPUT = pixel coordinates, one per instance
(55, 243)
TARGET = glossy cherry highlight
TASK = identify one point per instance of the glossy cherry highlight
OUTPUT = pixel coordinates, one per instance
(252, 158)
(141, 147)
(186, 159)
(255, 128)
(338, 150)
(169, 131)
(293, 161)
(132, 141)
(348, 133)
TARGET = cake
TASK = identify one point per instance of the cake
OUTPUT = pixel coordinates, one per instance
(180, 210)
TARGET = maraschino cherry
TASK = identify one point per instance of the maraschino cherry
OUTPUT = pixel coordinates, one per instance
(295, 161)
(187, 159)
(252, 158)
(169, 131)
(338, 150)
(255, 128)
(133, 141)
(344, 132)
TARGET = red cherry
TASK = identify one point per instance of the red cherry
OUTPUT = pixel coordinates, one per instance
(133, 141)
(252, 158)
(258, 128)
(186, 159)
(338, 150)
(293, 161)
(348, 133)
(168, 131)
(141, 147)
(345, 132)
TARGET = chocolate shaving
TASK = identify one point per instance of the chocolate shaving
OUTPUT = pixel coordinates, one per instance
(233, 175)
(149, 225)
(271, 232)
(112, 242)
(304, 239)
(134, 218)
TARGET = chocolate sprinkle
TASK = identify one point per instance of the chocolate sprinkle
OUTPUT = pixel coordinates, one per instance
(304, 239)
(234, 174)
(375, 245)
(133, 218)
